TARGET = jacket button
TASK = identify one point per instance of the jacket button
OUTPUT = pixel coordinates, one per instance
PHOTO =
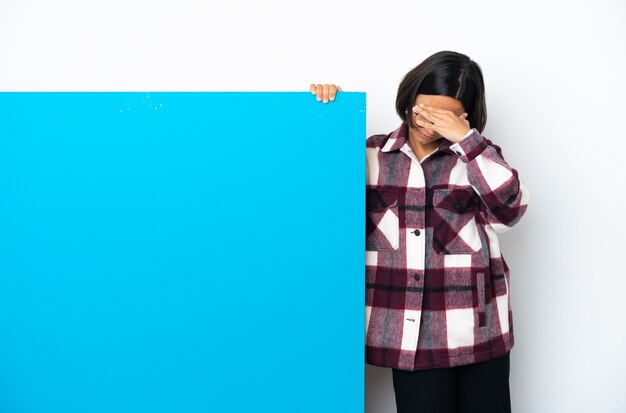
(417, 232)
(416, 277)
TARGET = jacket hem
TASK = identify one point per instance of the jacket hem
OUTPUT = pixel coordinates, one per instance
(441, 358)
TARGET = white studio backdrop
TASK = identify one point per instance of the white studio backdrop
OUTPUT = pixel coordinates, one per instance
(555, 78)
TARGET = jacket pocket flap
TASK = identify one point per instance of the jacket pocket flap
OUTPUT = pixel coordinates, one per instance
(379, 200)
(457, 200)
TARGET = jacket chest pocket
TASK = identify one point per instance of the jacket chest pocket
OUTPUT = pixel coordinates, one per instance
(382, 223)
(454, 221)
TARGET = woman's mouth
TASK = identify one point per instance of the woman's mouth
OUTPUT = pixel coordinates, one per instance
(424, 136)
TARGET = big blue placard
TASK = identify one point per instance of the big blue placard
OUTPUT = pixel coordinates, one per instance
(181, 252)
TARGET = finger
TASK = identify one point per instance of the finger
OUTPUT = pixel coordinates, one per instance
(464, 120)
(418, 110)
(435, 110)
(325, 94)
(415, 117)
(421, 120)
(333, 92)
(425, 113)
(439, 117)
(319, 90)
(339, 88)
(313, 88)
(425, 124)
(440, 113)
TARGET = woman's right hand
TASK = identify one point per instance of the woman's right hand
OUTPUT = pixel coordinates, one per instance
(325, 93)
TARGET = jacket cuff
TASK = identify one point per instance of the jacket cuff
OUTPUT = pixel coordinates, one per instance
(470, 146)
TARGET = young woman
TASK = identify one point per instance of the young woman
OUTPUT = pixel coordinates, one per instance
(437, 285)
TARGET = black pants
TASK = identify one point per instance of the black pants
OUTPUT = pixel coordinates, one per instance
(476, 388)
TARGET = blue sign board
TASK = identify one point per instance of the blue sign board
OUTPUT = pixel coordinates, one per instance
(181, 252)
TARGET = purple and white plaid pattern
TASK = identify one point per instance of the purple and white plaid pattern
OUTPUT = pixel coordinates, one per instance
(437, 286)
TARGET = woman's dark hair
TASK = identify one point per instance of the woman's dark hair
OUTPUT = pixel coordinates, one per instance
(449, 74)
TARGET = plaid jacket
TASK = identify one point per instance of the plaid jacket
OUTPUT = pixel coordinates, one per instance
(437, 286)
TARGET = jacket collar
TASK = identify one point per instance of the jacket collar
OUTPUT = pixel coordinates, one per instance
(398, 138)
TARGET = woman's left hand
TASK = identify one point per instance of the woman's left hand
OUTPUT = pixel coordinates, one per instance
(325, 92)
(445, 122)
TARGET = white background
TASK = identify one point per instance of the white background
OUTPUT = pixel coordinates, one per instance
(555, 78)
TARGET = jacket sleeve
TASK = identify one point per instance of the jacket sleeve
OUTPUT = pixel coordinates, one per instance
(504, 196)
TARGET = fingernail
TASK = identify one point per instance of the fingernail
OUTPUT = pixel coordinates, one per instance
(319, 99)
(332, 98)
(325, 100)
